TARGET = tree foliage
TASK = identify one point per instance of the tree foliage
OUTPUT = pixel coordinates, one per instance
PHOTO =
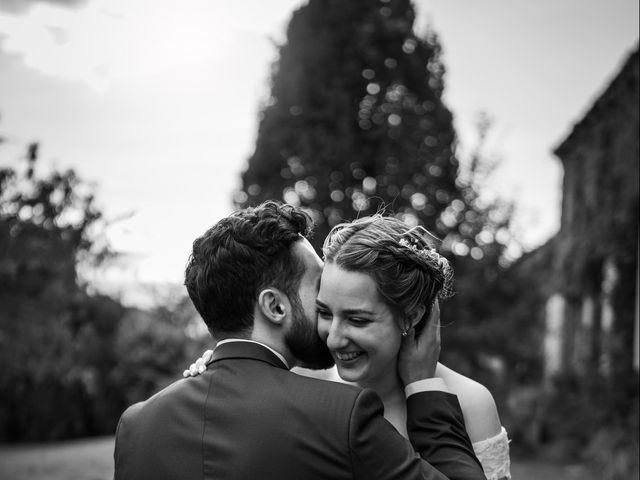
(154, 347)
(355, 121)
(71, 361)
(53, 337)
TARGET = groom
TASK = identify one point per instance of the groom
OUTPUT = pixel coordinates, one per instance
(253, 278)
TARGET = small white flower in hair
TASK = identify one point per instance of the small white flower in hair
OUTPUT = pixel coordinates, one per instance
(427, 252)
(435, 261)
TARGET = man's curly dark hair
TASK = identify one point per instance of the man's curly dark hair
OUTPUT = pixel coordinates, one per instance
(238, 257)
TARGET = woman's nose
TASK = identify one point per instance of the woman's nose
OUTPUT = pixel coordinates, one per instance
(336, 338)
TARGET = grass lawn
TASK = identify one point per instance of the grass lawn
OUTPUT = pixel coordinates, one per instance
(92, 459)
(88, 459)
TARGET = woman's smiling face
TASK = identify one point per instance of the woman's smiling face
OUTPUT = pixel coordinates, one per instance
(357, 325)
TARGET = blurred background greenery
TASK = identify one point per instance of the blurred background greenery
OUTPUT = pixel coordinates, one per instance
(355, 124)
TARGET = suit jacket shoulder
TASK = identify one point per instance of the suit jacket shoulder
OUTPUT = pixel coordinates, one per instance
(248, 417)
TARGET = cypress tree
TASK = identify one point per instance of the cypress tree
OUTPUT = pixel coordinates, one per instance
(355, 121)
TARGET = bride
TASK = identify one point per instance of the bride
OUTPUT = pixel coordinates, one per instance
(380, 285)
(380, 281)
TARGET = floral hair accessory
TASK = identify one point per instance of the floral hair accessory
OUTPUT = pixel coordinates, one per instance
(436, 263)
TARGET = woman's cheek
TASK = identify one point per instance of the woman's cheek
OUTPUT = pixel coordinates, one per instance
(323, 330)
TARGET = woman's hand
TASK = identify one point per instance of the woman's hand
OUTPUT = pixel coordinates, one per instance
(419, 355)
(199, 366)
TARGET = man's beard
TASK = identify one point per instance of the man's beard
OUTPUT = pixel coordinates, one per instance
(304, 342)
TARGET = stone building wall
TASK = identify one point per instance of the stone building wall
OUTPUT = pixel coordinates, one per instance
(592, 311)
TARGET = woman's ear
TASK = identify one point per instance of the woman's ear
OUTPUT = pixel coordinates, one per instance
(273, 305)
(414, 316)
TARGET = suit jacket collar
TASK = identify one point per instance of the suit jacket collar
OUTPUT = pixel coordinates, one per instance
(246, 350)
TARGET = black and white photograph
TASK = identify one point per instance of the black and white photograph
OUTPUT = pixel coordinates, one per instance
(319, 239)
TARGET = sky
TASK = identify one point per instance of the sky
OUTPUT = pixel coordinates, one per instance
(156, 102)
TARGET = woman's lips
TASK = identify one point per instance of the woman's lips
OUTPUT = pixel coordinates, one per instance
(348, 356)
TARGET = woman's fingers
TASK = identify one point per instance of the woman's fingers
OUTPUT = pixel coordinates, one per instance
(206, 356)
(434, 316)
(434, 328)
(199, 366)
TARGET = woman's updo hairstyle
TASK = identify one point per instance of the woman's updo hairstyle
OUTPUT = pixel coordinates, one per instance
(402, 261)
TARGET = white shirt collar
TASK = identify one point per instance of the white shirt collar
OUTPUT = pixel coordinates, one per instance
(277, 354)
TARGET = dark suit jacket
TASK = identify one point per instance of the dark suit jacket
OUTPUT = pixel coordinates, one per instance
(248, 417)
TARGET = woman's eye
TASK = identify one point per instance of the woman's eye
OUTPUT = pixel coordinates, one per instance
(359, 320)
(323, 313)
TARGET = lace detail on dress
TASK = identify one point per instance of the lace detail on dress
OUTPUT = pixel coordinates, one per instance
(493, 454)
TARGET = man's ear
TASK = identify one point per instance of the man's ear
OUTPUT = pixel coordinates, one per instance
(274, 305)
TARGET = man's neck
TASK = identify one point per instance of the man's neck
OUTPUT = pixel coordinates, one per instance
(265, 334)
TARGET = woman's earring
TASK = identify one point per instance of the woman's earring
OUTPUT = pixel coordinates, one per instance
(404, 332)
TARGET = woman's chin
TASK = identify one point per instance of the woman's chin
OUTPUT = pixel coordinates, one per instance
(349, 374)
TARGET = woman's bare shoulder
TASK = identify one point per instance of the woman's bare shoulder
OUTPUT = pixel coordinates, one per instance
(476, 401)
